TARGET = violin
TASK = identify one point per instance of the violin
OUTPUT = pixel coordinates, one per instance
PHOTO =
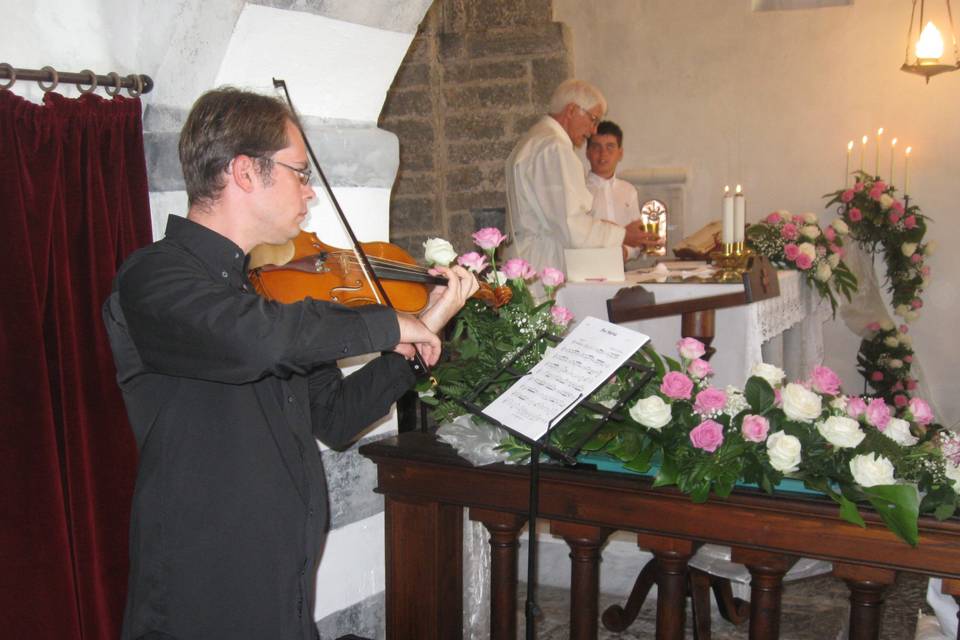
(308, 267)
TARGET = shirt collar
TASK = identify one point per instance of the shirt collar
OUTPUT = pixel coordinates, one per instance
(220, 254)
(557, 128)
(595, 179)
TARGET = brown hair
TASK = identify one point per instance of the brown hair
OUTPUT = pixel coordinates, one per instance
(223, 124)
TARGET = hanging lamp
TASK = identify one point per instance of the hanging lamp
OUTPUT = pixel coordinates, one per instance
(928, 47)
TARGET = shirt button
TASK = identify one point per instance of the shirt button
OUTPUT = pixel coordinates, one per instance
(224, 274)
(290, 399)
(237, 255)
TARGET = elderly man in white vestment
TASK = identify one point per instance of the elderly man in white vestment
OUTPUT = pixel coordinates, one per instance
(549, 207)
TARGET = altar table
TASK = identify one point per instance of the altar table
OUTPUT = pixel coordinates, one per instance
(786, 331)
(426, 486)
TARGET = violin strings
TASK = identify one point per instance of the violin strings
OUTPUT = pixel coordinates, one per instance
(384, 262)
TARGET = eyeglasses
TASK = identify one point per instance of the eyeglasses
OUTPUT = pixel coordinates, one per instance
(593, 119)
(303, 175)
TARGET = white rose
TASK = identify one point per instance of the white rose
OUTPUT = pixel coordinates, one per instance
(898, 430)
(439, 251)
(886, 201)
(810, 217)
(839, 404)
(929, 248)
(891, 341)
(651, 412)
(833, 260)
(808, 249)
(496, 278)
(810, 231)
(773, 375)
(784, 452)
(902, 310)
(905, 340)
(953, 474)
(911, 316)
(801, 404)
(908, 248)
(840, 227)
(823, 272)
(870, 470)
(894, 363)
(841, 432)
(887, 325)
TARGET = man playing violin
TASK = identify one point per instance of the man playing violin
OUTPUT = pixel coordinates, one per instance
(226, 391)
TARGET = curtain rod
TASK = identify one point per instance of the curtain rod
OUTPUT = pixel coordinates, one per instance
(86, 81)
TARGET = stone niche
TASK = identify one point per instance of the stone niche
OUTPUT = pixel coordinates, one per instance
(477, 75)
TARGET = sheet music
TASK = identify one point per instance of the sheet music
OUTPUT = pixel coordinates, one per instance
(592, 352)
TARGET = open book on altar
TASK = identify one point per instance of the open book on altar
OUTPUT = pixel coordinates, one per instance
(568, 374)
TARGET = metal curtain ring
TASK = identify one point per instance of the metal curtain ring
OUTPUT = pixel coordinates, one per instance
(134, 80)
(53, 83)
(93, 82)
(12, 73)
(116, 84)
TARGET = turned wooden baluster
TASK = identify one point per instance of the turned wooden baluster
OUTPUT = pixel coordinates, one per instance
(766, 589)
(672, 555)
(585, 542)
(867, 586)
(504, 529)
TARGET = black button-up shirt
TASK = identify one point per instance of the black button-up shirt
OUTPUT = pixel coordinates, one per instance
(226, 392)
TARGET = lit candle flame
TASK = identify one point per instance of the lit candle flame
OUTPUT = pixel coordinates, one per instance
(726, 189)
(893, 142)
(909, 149)
(849, 146)
(864, 140)
(880, 131)
(930, 44)
(738, 189)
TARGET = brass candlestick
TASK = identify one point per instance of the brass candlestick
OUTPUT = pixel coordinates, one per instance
(732, 261)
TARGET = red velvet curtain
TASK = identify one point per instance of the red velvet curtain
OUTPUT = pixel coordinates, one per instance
(74, 203)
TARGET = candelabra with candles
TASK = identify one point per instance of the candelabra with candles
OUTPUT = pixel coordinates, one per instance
(731, 261)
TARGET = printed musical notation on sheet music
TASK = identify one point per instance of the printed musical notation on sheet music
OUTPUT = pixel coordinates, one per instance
(592, 352)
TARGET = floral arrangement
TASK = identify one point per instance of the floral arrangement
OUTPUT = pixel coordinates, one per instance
(798, 242)
(879, 221)
(853, 449)
(495, 325)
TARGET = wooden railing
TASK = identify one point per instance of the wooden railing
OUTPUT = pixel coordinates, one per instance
(426, 487)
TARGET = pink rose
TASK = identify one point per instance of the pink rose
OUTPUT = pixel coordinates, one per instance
(804, 261)
(910, 222)
(911, 384)
(847, 195)
(898, 207)
(676, 386)
(825, 381)
(690, 348)
(873, 326)
(920, 411)
(876, 376)
(876, 191)
(789, 231)
(774, 218)
(474, 261)
(880, 184)
(856, 407)
(897, 387)
(561, 315)
(708, 435)
(908, 359)
(878, 413)
(829, 234)
(551, 277)
(855, 215)
(489, 238)
(916, 303)
(904, 328)
(699, 369)
(900, 400)
(916, 258)
(518, 269)
(925, 272)
(755, 428)
(709, 400)
(791, 251)
(858, 187)
(894, 218)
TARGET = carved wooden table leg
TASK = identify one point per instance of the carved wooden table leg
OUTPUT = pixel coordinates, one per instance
(700, 325)
(951, 587)
(504, 529)
(672, 555)
(866, 585)
(766, 588)
(585, 542)
(424, 570)
(617, 618)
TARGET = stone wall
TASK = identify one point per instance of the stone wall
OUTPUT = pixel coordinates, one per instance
(478, 74)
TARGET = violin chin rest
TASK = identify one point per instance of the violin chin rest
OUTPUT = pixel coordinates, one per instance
(278, 254)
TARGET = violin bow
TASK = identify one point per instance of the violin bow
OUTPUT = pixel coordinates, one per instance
(418, 365)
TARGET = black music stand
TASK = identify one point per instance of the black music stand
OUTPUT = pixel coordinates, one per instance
(504, 377)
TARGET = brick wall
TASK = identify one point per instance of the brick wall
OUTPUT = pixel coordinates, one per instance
(478, 74)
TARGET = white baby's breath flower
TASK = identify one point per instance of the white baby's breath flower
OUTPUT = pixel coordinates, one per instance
(870, 470)
(784, 452)
(898, 430)
(651, 412)
(736, 401)
(772, 374)
(439, 251)
(841, 431)
(801, 404)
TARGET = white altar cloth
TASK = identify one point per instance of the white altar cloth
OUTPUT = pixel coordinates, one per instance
(790, 325)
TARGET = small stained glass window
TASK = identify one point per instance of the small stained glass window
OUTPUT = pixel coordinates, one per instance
(654, 216)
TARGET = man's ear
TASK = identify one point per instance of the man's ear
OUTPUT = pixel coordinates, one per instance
(243, 172)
